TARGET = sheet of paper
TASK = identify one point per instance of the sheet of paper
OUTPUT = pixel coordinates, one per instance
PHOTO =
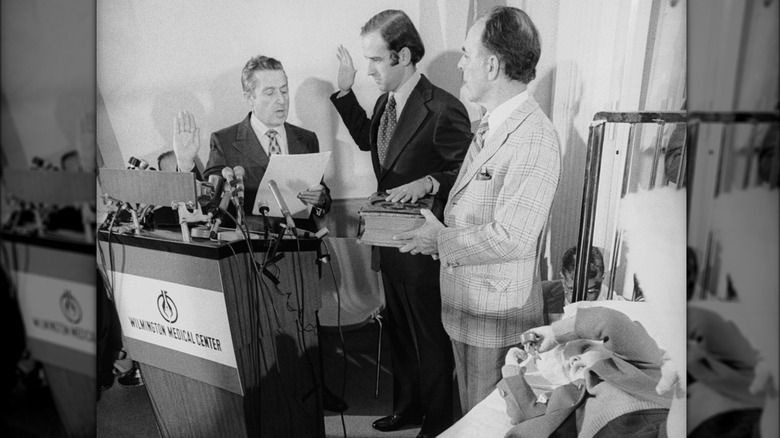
(293, 174)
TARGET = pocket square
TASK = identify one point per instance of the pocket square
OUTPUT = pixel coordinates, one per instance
(483, 175)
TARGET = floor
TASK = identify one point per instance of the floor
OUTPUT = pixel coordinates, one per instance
(28, 409)
(126, 412)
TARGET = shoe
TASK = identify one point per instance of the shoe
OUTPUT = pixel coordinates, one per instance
(331, 402)
(131, 378)
(105, 382)
(424, 435)
(395, 422)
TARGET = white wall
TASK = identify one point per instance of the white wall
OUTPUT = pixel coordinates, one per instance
(47, 67)
(157, 58)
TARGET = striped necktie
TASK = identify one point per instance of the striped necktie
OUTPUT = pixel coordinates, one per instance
(386, 129)
(479, 138)
(273, 145)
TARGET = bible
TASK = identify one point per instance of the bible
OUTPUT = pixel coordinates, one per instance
(380, 220)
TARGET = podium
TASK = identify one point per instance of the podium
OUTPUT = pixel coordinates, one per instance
(222, 350)
(55, 279)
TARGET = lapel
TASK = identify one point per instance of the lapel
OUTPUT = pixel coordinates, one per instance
(412, 116)
(248, 144)
(472, 163)
(295, 144)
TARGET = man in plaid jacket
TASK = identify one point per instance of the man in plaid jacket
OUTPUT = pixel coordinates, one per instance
(497, 208)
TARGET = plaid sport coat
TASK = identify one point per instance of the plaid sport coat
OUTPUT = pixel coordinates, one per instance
(495, 214)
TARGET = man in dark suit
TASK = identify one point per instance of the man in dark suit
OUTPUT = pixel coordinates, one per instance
(250, 143)
(417, 135)
(262, 133)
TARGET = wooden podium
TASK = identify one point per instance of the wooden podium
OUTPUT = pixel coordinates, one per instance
(221, 350)
(55, 279)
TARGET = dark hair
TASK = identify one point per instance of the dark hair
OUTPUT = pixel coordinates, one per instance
(162, 156)
(398, 31)
(257, 63)
(595, 262)
(511, 36)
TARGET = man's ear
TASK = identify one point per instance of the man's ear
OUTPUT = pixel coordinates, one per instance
(494, 66)
(405, 56)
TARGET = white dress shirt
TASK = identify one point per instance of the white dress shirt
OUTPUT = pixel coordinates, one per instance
(503, 111)
(260, 130)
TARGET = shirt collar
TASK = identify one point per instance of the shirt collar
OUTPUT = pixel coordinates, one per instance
(403, 92)
(260, 129)
(503, 111)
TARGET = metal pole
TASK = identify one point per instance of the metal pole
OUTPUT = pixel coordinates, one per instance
(589, 198)
(659, 139)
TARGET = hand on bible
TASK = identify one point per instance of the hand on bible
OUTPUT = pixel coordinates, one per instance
(409, 192)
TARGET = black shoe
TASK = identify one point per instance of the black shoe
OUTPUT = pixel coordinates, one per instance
(131, 378)
(395, 422)
(105, 382)
(331, 402)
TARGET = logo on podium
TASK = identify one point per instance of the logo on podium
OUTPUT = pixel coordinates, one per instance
(167, 307)
(70, 307)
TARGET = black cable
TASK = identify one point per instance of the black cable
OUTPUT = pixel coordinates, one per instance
(302, 327)
(341, 334)
(260, 281)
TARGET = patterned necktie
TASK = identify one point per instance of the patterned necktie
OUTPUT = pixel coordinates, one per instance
(479, 139)
(273, 145)
(386, 129)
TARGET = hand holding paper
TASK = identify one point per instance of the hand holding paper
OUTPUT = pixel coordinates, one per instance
(297, 176)
(316, 196)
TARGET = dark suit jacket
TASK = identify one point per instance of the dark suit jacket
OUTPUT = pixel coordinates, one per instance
(238, 145)
(431, 138)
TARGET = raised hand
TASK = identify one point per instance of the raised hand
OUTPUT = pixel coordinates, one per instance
(186, 140)
(346, 70)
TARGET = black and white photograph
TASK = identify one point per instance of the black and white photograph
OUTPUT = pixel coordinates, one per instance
(397, 218)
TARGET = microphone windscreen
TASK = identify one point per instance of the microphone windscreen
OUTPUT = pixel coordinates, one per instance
(239, 172)
(228, 174)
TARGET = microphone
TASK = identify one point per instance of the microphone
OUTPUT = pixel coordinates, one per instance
(39, 163)
(228, 174)
(220, 214)
(262, 206)
(134, 163)
(212, 205)
(239, 186)
(282, 206)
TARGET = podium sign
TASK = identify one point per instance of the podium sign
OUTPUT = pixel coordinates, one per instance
(219, 355)
(56, 292)
(184, 318)
(58, 311)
